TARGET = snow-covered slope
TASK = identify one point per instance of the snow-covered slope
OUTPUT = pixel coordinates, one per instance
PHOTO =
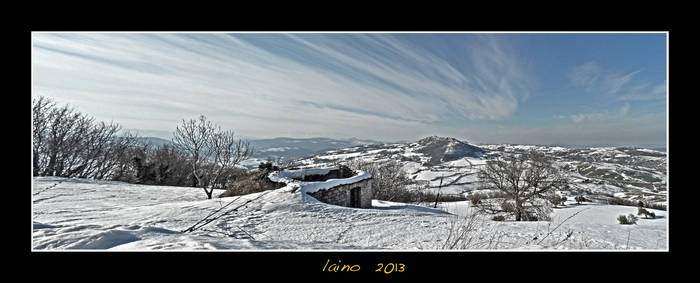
(86, 214)
(450, 165)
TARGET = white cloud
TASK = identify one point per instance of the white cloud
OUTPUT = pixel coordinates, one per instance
(621, 87)
(151, 81)
(579, 118)
(601, 116)
(586, 75)
(644, 92)
(613, 84)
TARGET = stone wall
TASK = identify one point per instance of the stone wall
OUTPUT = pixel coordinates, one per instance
(341, 173)
(341, 194)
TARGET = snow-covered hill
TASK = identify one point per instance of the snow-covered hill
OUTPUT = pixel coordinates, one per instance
(636, 173)
(87, 214)
(445, 149)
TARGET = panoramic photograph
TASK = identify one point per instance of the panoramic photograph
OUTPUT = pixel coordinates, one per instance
(349, 141)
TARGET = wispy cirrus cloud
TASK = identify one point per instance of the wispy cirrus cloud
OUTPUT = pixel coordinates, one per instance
(644, 92)
(271, 85)
(620, 86)
(614, 84)
(586, 75)
(601, 116)
(490, 90)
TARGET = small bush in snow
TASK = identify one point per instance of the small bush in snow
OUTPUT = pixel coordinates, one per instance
(251, 182)
(580, 199)
(629, 219)
(268, 166)
(475, 198)
(507, 206)
(646, 213)
(557, 200)
(529, 216)
(622, 219)
(498, 218)
(632, 219)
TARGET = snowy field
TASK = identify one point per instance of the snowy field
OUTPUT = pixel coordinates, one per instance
(98, 215)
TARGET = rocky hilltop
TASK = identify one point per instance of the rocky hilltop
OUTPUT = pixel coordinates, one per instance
(444, 149)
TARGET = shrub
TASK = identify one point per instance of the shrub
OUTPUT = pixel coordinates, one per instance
(498, 218)
(580, 199)
(475, 198)
(557, 200)
(626, 220)
(622, 219)
(632, 219)
(530, 216)
(163, 165)
(642, 211)
(268, 166)
(507, 206)
(646, 213)
(252, 182)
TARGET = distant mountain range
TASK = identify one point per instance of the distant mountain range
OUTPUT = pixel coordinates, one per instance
(287, 148)
(293, 148)
(441, 148)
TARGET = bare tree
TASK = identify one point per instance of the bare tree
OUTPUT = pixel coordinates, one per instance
(192, 137)
(62, 136)
(212, 152)
(524, 180)
(96, 151)
(41, 111)
(115, 153)
(228, 152)
(67, 143)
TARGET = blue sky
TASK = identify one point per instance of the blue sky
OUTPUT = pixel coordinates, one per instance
(536, 88)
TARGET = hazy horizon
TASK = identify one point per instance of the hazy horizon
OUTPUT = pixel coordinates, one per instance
(649, 146)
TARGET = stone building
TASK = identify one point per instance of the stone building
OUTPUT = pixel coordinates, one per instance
(337, 185)
(357, 194)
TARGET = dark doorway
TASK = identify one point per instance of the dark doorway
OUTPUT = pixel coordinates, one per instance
(355, 198)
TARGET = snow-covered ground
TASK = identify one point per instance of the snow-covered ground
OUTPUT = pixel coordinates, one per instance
(87, 214)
